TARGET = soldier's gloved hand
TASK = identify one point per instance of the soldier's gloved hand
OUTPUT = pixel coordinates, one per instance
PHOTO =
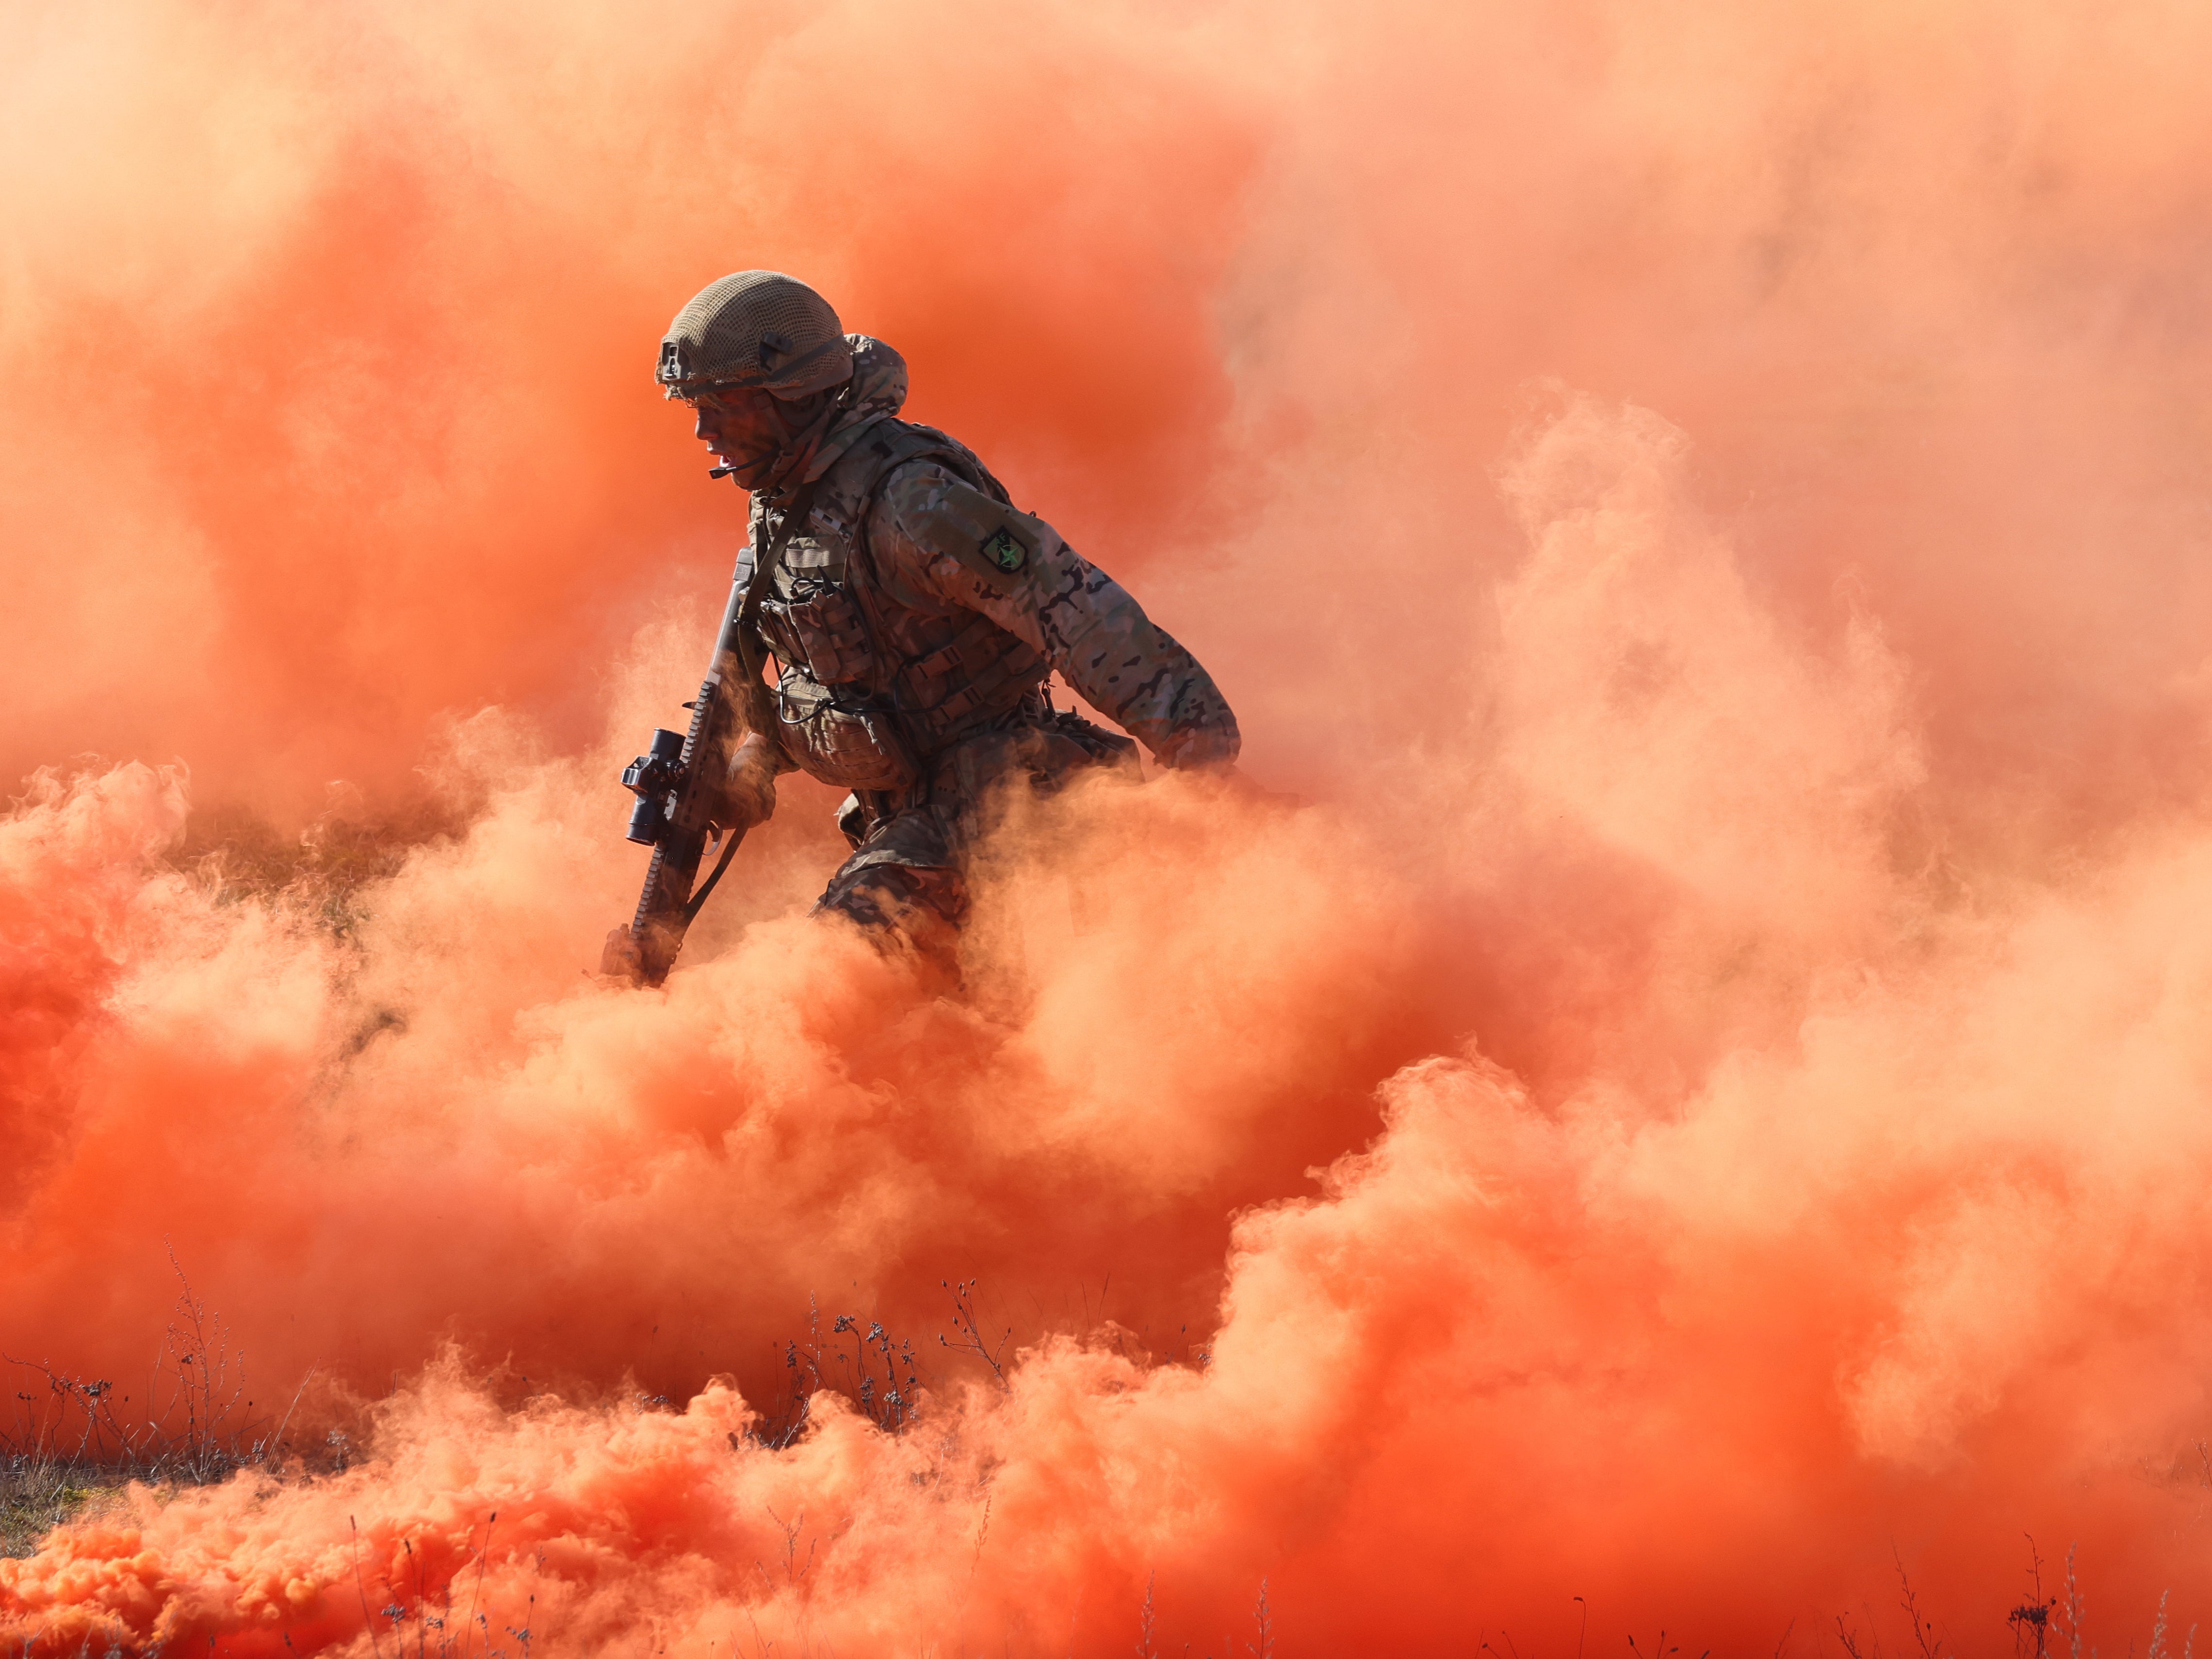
(749, 791)
(1198, 748)
(1205, 750)
(621, 959)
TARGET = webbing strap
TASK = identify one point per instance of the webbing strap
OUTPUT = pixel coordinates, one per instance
(1013, 660)
(959, 652)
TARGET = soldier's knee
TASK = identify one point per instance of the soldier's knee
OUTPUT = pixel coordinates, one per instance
(894, 904)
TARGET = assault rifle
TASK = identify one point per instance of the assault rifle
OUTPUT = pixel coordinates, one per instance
(680, 780)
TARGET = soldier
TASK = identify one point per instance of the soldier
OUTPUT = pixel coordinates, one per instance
(914, 613)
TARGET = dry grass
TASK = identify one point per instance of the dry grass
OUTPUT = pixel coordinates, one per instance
(73, 1442)
(78, 1442)
(38, 1495)
(320, 870)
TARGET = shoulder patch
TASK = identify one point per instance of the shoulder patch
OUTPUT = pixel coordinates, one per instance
(1004, 548)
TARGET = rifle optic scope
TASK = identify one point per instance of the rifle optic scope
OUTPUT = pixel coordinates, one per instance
(653, 777)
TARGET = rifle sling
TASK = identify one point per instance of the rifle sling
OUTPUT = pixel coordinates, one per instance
(729, 848)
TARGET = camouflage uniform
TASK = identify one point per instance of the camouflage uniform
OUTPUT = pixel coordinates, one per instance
(915, 615)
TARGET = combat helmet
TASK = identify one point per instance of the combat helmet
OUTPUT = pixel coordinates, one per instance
(754, 327)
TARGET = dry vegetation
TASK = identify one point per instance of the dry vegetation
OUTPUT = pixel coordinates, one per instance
(76, 1443)
(320, 870)
(73, 1442)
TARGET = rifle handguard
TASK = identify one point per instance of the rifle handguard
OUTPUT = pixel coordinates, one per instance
(682, 783)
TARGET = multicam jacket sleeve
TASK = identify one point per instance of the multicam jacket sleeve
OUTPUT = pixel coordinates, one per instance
(935, 538)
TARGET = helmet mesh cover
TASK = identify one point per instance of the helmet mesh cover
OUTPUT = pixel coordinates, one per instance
(755, 328)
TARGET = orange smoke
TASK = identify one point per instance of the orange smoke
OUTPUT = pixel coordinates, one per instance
(1704, 507)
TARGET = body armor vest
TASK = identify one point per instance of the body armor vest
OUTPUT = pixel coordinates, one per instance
(876, 680)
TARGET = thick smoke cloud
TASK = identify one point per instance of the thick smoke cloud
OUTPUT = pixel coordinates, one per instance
(1693, 1108)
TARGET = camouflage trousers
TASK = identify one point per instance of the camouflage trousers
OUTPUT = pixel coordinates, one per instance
(907, 879)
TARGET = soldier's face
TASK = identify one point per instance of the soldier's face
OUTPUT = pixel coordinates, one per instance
(746, 428)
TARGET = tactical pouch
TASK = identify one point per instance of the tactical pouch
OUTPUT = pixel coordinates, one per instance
(824, 632)
(855, 749)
